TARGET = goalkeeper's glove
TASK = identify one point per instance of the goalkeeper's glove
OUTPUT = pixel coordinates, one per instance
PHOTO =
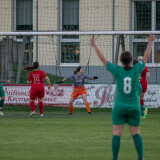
(95, 77)
(59, 82)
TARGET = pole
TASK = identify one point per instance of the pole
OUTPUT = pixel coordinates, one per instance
(37, 30)
(117, 50)
(113, 28)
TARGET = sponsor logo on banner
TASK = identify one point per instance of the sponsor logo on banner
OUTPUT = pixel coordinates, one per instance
(103, 96)
(99, 96)
(151, 98)
(20, 95)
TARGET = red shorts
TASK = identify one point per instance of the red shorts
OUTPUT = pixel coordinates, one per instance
(78, 91)
(37, 91)
(144, 86)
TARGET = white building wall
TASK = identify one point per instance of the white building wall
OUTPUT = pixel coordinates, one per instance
(48, 20)
(6, 16)
(94, 15)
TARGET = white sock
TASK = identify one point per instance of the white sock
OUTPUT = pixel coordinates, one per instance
(1, 113)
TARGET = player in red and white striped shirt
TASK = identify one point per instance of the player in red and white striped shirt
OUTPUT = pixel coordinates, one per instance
(35, 78)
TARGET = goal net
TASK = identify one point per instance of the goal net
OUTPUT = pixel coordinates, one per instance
(60, 59)
(57, 34)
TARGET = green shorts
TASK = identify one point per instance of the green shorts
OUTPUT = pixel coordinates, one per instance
(123, 113)
(2, 94)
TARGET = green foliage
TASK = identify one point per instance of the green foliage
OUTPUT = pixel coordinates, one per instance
(53, 78)
(24, 76)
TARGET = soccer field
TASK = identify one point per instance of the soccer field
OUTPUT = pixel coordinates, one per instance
(58, 136)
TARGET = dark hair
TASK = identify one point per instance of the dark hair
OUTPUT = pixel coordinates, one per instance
(126, 58)
(135, 61)
(31, 68)
(77, 70)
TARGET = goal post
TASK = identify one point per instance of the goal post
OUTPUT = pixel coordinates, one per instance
(52, 33)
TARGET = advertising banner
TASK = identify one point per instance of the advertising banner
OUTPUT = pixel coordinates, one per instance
(98, 95)
(20, 95)
(103, 96)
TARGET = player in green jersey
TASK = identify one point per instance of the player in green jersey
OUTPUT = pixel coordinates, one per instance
(126, 107)
(2, 95)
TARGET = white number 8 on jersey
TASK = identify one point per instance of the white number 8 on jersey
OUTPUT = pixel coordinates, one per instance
(127, 88)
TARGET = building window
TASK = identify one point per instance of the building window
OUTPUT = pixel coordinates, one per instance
(146, 17)
(139, 49)
(158, 15)
(70, 52)
(70, 45)
(24, 15)
(70, 16)
(142, 16)
(157, 52)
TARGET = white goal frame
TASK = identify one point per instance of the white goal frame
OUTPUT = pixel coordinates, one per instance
(78, 33)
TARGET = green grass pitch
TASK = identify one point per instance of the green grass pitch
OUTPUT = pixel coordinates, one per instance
(58, 136)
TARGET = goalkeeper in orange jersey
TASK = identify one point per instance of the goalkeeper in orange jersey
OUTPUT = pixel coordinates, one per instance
(79, 88)
(2, 95)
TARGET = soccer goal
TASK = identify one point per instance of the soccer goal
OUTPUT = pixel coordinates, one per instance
(59, 59)
(57, 34)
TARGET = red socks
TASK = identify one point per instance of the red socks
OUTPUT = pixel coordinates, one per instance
(88, 106)
(71, 109)
(32, 106)
(142, 102)
(41, 107)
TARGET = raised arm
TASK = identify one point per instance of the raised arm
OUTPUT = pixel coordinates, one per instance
(48, 81)
(65, 79)
(148, 74)
(98, 51)
(59, 82)
(90, 77)
(149, 48)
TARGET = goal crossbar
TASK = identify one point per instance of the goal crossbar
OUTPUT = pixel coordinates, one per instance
(78, 33)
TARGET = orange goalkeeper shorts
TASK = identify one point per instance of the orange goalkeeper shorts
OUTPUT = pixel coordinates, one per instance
(78, 91)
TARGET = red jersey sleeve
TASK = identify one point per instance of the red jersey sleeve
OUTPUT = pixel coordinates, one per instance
(30, 76)
(146, 69)
(43, 74)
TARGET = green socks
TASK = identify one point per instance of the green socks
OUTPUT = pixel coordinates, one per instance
(1, 104)
(115, 146)
(138, 144)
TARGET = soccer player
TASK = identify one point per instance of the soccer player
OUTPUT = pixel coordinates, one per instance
(143, 80)
(126, 107)
(2, 95)
(79, 88)
(143, 88)
(35, 78)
